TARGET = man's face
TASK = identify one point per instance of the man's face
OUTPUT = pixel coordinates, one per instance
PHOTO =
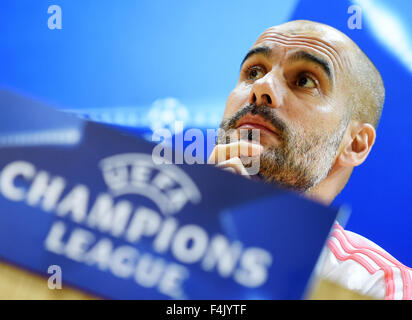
(292, 87)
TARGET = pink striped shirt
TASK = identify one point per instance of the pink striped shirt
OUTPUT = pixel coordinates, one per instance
(360, 265)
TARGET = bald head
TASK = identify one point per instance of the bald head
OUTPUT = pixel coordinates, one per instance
(364, 84)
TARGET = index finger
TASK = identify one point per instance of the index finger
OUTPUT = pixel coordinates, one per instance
(223, 152)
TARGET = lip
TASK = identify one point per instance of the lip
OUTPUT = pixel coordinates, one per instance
(256, 122)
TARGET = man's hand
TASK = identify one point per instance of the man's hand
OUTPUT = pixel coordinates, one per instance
(228, 156)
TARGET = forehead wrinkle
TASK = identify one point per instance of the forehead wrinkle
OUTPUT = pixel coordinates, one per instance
(302, 37)
(314, 43)
(309, 44)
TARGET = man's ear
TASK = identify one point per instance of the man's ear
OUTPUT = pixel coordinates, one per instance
(358, 144)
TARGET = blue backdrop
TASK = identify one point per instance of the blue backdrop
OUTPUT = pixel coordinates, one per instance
(136, 64)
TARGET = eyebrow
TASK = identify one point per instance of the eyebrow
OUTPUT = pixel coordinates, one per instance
(297, 56)
(265, 51)
(304, 55)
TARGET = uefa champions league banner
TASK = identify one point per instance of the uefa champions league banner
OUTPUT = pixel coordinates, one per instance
(91, 200)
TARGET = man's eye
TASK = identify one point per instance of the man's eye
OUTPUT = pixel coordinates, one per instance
(254, 73)
(304, 81)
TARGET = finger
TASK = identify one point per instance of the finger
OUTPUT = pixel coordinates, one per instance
(235, 164)
(229, 169)
(223, 152)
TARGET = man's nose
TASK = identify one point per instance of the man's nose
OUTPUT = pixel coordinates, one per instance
(266, 91)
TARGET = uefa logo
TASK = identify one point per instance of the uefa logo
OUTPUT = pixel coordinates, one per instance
(169, 187)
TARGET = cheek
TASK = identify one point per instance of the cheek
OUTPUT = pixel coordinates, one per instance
(237, 99)
(310, 115)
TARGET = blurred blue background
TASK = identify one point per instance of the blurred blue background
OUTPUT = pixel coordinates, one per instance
(140, 64)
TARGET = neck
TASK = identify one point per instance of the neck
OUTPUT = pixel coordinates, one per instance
(327, 190)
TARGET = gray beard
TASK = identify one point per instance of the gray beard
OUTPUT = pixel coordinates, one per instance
(301, 160)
